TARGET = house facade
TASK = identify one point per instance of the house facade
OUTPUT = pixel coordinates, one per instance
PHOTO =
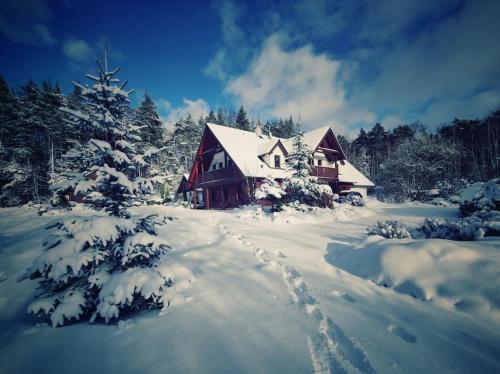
(231, 163)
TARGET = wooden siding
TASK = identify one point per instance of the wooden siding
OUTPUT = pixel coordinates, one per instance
(324, 172)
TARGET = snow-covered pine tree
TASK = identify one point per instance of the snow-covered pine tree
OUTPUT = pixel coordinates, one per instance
(13, 176)
(151, 126)
(102, 265)
(301, 187)
(152, 165)
(185, 140)
(31, 138)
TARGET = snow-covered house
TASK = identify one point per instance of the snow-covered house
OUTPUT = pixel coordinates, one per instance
(231, 163)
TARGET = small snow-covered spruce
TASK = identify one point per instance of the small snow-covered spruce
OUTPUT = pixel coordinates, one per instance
(390, 230)
(100, 266)
(271, 191)
(301, 187)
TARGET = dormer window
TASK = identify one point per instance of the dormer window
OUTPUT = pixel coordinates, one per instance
(277, 161)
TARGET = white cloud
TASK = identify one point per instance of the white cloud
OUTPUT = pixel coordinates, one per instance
(163, 105)
(299, 82)
(77, 50)
(229, 13)
(216, 66)
(234, 49)
(195, 108)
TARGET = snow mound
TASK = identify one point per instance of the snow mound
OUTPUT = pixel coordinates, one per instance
(481, 197)
(440, 271)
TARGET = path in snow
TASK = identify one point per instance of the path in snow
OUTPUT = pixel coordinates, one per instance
(331, 350)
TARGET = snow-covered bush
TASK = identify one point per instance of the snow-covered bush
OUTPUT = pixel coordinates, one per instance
(467, 228)
(450, 188)
(352, 198)
(481, 197)
(182, 203)
(390, 230)
(308, 191)
(100, 266)
(271, 191)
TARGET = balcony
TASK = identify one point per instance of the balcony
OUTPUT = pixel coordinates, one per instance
(218, 176)
(325, 173)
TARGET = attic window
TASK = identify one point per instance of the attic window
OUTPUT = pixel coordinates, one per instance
(220, 165)
(277, 161)
(319, 162)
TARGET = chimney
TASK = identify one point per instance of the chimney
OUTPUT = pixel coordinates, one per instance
(258, 131)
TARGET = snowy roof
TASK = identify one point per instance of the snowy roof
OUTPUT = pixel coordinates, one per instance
(186, 176)
(348, 173)
(266, 147)
(243, 147)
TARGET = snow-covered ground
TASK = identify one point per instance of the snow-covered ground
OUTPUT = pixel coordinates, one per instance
(293, 293)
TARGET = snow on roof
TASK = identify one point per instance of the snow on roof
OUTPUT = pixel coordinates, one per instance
(243, 147)
(312, 138)
(266, 147)
(186, 176)
(348, 173)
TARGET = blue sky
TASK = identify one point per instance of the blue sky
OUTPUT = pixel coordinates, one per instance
(343, 63)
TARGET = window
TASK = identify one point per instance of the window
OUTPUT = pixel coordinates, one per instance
(214, 167)
(277, 161)
(319, 162)
(220, 165)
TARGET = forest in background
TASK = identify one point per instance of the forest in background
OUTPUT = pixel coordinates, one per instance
(403, 162)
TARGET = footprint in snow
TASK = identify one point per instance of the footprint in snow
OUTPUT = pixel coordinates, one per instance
(333, 352)
(344, 295)
(279, 254)
(402, 333)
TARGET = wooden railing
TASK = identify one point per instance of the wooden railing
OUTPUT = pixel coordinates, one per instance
(215, 175)
(323, 172)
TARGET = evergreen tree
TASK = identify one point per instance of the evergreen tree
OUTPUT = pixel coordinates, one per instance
(185, 141)
(100, 266)
(211, 118)
(301, 187)
(148, 119)
(220, 117)
(8, 114)
(242, 121)
(12, 173)
(32, 139)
